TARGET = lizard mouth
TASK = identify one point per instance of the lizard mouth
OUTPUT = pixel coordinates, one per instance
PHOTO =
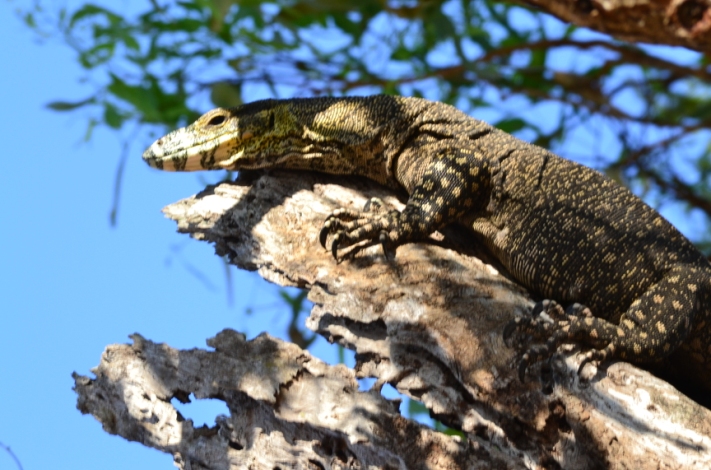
(176, 152)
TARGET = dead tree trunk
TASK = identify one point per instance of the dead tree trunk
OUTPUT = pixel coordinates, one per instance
(429, 323)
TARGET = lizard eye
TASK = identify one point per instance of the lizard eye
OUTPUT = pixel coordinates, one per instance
(217, 120)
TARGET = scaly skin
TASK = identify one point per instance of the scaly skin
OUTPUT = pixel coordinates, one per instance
(636, 287)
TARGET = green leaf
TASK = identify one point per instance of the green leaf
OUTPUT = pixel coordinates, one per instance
(130, 42)
(68, 106)
(90, 129)
(90, 10)
(112, 117)
(415, 408)
(226, 95)
(29, 20)
(142, 98)
(296, 302)
(438, 27)
(511, 125)
(347, 26)
(538, 58)
(453, 432)
(97, 55)
(401, 53)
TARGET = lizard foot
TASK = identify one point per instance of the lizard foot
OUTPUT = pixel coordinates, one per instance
(538, 325)
(373, 224)
(550, 323)
(519, 332)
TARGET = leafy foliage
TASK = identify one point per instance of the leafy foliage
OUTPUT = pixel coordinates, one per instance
(638, 112)
(298, 305)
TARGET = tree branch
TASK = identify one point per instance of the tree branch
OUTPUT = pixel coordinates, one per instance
(673, 22)
(429, 323)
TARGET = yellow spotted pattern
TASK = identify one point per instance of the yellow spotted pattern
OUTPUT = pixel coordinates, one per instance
(632, 285)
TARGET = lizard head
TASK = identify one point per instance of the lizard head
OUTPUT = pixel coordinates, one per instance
(262, 134)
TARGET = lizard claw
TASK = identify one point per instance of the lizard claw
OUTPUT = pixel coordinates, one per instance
(510, 328)
(597, 356)
(334, 246)
(533, 355)
(388, 250)
(539, 308)
(522, 367)
(323, 234)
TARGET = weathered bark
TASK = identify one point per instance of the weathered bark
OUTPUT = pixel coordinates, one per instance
(673, 22)
(429, 323)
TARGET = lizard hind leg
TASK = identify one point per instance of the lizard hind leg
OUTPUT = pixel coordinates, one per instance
(598, 333)
(652, 328)
(549, 323)
(661, 319)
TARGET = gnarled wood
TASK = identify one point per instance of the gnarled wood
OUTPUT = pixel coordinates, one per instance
(428, 322)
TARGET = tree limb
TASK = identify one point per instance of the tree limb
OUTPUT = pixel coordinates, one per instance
(429, 323)
(672, 22)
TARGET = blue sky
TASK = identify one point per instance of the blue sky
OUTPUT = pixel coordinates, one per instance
(71, 284)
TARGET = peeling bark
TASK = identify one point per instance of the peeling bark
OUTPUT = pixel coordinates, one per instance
(428, 322)
(287, 408)
(672, 22)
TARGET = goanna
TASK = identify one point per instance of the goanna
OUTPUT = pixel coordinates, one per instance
(637, 289)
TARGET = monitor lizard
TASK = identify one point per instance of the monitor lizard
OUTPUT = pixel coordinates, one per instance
(635, 287)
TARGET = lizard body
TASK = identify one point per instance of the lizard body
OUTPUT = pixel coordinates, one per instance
(637, 288)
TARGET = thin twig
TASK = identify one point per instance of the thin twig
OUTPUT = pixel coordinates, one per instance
(12, 454)
(634, 157)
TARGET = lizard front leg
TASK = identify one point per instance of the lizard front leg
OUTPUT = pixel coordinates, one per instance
(447, 189)
(654, 325)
